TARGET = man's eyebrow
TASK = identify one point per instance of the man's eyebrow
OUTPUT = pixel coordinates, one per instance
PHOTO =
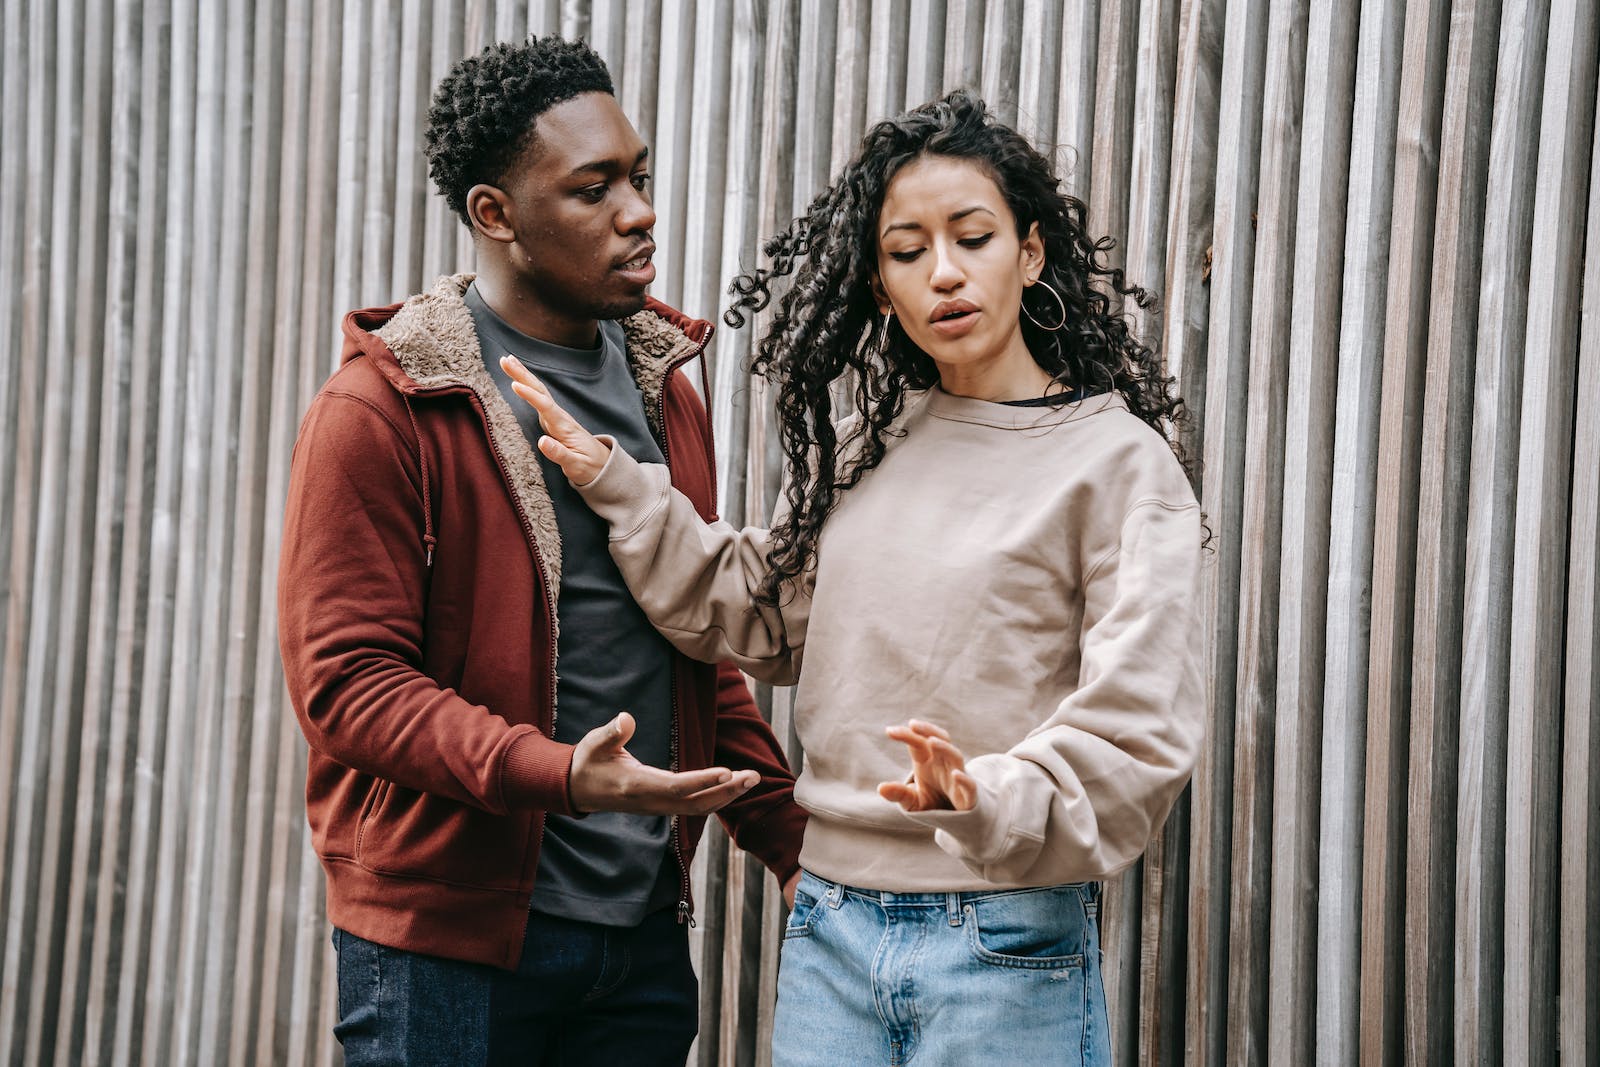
(955, 216)
(609, 166)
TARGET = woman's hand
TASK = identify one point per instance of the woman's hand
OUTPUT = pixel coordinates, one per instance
(580, 454)
(939, 781)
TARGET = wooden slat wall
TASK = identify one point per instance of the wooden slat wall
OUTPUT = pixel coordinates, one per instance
(1371, 227)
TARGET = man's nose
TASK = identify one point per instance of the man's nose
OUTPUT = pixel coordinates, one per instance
(637, 214)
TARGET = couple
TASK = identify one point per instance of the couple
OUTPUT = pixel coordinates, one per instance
(980, 576)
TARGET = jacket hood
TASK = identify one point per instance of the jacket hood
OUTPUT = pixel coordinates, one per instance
(428, 344)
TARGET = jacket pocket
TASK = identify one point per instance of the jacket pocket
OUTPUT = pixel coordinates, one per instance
(411, 834)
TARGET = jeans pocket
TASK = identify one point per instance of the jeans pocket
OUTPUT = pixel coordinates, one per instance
(1037, 929)
(808, 906)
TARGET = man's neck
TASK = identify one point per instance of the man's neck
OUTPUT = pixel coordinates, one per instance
(510, 297)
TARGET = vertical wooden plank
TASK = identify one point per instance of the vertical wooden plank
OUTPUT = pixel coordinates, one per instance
(143, 926)
(1075, 107)
(682, 82)
(145, 402)
(1166, 1012)
(380, 64)
(1350, 519)
(963, 45)
(1255, 759)
(815, 80)
(179, 871)
(859, 79)
(1394, 529)
(925, 36)
(1115, 83)
(1490, 537)
(1312, 400)
(1539, 586)
(1191, 197)
(1155, 69)
(1429, 934)
(1001, 58)
(259, 707)
(1038, 72)
(26, 755)
(707, 162)
(1221, 499)
(641, 65)
(52, 688)
(442, 230)
(94, 817)
(411, 186)
(1579, 995)
(885, 26)
(225, 1014)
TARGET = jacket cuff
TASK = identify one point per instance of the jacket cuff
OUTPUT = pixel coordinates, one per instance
(775, 839)
(536, 772)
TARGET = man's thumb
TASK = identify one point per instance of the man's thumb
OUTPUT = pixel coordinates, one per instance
(621, 730)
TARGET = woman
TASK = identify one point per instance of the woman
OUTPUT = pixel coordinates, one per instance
(988, 572)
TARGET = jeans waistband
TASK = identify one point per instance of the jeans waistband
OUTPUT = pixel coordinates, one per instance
(833, 894)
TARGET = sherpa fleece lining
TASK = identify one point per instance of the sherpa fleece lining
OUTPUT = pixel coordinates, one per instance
(436, 343)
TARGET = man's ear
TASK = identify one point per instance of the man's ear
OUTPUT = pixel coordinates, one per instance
(1033, 254)
(491, 213)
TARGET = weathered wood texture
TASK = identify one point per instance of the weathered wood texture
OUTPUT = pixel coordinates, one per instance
(1374, 230)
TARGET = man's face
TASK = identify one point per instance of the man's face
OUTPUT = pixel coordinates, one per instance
(580, 206)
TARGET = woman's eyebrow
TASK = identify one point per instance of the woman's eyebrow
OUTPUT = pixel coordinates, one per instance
(955, 216)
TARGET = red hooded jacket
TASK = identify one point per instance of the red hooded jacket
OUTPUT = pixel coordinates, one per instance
(416, 601)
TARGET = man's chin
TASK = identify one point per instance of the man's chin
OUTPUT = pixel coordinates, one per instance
(622, 307)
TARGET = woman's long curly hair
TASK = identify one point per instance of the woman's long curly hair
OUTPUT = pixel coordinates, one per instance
(826, 324)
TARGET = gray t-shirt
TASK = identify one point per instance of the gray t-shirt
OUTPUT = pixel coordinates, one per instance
(606, 867)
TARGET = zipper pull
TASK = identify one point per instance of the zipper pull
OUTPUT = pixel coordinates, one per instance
(685, 915)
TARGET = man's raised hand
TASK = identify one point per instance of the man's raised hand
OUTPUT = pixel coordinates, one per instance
(606, 777)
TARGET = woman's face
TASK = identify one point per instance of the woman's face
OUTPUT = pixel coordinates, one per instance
(953, 269)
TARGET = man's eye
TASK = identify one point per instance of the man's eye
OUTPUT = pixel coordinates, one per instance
(905, 257)
(641, 182)
(975, 242)
(592, 193)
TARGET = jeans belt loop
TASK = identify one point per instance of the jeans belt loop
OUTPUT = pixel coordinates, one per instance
(952, 903)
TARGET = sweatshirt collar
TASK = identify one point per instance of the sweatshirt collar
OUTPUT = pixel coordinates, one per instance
(943, 405)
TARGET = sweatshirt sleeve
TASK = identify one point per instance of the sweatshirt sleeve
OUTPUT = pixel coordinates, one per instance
(696, 581)
(351, 596)
(1080, 797)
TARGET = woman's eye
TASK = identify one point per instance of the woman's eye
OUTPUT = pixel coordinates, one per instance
(975, 242)
(905, 257)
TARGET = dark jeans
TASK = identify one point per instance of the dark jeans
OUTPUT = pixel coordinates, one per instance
(582, 994)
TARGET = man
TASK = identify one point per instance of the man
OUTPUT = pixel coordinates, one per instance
(507, 883)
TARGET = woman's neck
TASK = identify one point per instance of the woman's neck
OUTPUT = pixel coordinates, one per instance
(1011, 376)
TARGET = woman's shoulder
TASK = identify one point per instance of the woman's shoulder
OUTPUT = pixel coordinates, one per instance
(1120, 451)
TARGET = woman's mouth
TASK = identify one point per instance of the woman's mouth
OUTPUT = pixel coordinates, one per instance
(956, 324)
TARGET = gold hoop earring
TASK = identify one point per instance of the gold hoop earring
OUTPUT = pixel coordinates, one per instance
(1061, 304)
(883, 335)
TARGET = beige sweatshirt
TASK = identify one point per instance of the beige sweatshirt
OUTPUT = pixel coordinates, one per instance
(1024, 577)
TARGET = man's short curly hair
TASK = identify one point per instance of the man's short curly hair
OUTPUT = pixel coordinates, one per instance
(483, 112)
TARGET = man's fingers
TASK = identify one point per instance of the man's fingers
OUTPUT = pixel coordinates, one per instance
(709, 800)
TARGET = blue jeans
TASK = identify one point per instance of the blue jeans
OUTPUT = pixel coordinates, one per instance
(582, 994)
(997, 976)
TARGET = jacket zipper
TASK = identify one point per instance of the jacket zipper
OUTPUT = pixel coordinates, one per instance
(549, 601)
(675, 835)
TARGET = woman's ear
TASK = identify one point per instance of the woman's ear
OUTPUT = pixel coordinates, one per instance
(880, 295)
(1032, 254)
